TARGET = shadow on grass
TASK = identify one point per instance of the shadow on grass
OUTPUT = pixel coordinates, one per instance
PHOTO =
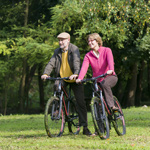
(36, 136)
(25, 136)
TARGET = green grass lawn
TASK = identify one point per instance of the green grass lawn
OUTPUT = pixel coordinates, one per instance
(27, 132)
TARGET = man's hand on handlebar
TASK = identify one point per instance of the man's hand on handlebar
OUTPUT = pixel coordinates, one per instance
(73, 77)
(78, 81)
(44, 76)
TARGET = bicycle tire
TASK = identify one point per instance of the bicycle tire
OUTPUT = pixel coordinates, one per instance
(118, 119)
(54, 125)
(73, 122)
(100, 119)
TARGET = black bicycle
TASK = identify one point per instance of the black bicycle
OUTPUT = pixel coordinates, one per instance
(61, 108)
(102, 114)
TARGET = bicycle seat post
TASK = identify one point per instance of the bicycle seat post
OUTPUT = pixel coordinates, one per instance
(96, 86)
(69, 90)
(54, 93)
(59, 87)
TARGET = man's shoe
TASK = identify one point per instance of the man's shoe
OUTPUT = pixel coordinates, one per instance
(95, 133)
(86, 131)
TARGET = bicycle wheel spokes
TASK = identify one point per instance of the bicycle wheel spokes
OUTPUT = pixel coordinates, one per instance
(118, 119)
(99, 118)
(54, 122)
(73, 120)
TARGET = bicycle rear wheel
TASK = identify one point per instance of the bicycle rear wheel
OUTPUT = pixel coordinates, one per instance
(73, 118)
(118, 119)
(54, 124)
(99, 118)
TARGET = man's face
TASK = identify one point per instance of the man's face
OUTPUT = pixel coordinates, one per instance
(63, 43)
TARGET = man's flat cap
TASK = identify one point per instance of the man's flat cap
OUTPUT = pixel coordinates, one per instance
(63, 35)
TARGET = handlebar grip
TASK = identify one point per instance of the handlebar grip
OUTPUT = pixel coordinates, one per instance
(105, 74)
(83, 81)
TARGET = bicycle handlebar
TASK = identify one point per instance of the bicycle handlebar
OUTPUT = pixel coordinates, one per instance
(58, 78)
(94, 78)
(83, 81)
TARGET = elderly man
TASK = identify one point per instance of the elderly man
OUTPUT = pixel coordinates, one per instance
(66, 63)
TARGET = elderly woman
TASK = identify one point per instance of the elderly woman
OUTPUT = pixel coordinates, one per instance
(101, 60)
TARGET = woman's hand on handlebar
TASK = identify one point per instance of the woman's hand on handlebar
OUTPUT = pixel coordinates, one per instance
(110, 72)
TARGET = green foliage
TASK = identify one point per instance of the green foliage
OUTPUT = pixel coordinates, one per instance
(3, 49)
(32, 43)
(27, 48)
(120, 23)
(66, 17)
(145, 43)
(3, 68)
(123, 25)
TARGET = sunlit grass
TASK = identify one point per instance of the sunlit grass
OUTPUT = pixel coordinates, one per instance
(28, 132)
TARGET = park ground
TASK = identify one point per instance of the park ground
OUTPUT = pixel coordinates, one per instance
(27, 132)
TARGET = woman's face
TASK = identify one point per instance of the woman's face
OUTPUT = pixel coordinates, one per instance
(93, 44)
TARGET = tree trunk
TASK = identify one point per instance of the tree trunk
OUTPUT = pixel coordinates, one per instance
(139, 84)
(148, 67)
(129, 94)
(30, 74)
(132, 86)
(26, 15)
(1, 104)
(5, 95)
(23, 78)
(124, 99)
(41, 88)
(119, 89)
(22, 86)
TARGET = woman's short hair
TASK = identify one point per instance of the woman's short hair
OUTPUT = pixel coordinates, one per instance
(95, 36)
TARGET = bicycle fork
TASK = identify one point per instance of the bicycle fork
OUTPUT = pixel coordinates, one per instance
(60, 99)
(103, 106)
(101, 99)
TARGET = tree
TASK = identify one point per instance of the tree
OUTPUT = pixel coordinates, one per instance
(29, 41)
(22, 39)
(120, 23)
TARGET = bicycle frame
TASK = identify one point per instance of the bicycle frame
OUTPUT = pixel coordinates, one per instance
(107, 115)
(95, 91)
(61, 91)
(61, 107)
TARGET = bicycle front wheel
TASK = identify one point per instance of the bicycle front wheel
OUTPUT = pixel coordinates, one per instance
(99, 118)
(54, 122)
(118, 119)
(73, 117)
